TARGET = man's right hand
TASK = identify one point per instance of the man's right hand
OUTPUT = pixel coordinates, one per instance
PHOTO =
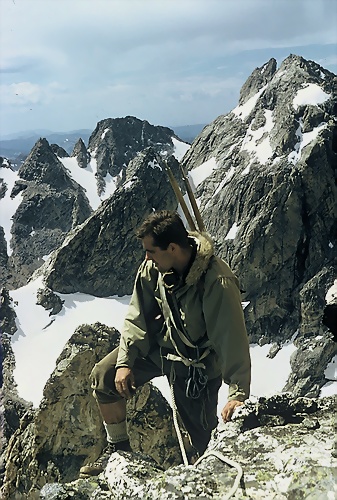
(125, 382)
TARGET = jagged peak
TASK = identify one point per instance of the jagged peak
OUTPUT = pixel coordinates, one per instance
(79, 147)
(259, 78)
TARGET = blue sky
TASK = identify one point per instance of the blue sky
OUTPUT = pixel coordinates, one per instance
(66, 64)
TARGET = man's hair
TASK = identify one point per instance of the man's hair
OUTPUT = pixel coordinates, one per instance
(165, 227)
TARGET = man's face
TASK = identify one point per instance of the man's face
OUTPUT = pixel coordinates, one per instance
(163, 259)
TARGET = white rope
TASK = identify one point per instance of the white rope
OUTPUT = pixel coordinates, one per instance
(210, 453)
(230, 462)
(175, 420)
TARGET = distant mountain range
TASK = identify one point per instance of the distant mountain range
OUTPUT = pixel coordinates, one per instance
(16, 147)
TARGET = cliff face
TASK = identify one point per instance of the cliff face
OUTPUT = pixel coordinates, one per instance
(269, 201)
(53, 193)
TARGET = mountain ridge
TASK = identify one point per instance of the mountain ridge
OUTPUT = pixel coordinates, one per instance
(16, 147)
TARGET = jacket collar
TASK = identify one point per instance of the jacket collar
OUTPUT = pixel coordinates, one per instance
(205, 251)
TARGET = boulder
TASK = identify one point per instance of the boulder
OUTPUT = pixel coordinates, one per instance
(53, 441)
(49, 300)
(283, 445)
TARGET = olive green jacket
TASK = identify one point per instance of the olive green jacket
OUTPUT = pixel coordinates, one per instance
(208, 303)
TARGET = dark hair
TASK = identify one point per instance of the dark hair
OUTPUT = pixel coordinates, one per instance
(165, 227)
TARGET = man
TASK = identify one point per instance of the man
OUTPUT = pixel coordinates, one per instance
(184, 321)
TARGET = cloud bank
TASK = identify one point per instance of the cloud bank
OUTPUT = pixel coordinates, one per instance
(67, 65)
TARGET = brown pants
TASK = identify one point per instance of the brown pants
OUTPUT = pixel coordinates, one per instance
(199, 415)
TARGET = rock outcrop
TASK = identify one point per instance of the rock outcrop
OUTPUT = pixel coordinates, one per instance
(284, 446)
(59, 151)
(52, 204)
(80, 152)
(7, 313)
(12, 406)
(4, 271)
(49, 300)
(102, 255)
(55, 440)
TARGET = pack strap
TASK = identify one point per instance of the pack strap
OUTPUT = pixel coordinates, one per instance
(169, 321)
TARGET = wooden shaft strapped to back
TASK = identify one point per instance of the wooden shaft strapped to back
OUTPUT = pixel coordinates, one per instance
(180, 198)
(192, 200)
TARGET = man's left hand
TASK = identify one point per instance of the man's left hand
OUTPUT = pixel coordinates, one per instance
(228, 410)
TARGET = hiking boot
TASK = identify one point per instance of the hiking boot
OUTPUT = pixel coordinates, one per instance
(97, 467)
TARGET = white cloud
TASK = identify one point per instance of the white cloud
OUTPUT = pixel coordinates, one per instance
(25, 93)
(157, 60)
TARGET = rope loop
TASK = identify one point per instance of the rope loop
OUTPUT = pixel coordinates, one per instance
(195, 383)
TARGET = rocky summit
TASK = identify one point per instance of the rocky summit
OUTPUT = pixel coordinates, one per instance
(265, 180)
(49, 204)
(115, 142)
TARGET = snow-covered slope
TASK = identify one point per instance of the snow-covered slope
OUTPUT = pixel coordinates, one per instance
(40, 339)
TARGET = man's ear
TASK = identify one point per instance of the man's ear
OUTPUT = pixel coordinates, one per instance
(173, 247)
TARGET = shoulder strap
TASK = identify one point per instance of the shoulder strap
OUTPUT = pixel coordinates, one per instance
(169, 321)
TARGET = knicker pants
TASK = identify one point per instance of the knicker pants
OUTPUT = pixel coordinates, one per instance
(198, 415)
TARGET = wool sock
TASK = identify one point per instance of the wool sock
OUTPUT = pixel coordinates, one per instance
(116, 432)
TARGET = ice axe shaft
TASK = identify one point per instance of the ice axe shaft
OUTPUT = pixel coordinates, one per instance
(179, 196)
(192, 199)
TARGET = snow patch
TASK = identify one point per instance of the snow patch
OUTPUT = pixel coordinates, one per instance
(304, 140)
(245, 109)
(85, 177)
(36, 345)
(110, 185)
(310, 94)
(180, 148)
(232, 232)
(128, 184)
(269, 375)
(199, 174)
(8, 205)
(331, 294)
(154, 164)
(252, 143)
(104, 133)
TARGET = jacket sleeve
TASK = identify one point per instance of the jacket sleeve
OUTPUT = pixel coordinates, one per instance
(143, 319)
(227, 332)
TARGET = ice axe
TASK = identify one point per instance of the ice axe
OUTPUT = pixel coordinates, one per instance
(180, 198)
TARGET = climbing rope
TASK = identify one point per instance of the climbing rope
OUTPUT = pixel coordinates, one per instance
(210, 453)
(175, 418)
(230, 462)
